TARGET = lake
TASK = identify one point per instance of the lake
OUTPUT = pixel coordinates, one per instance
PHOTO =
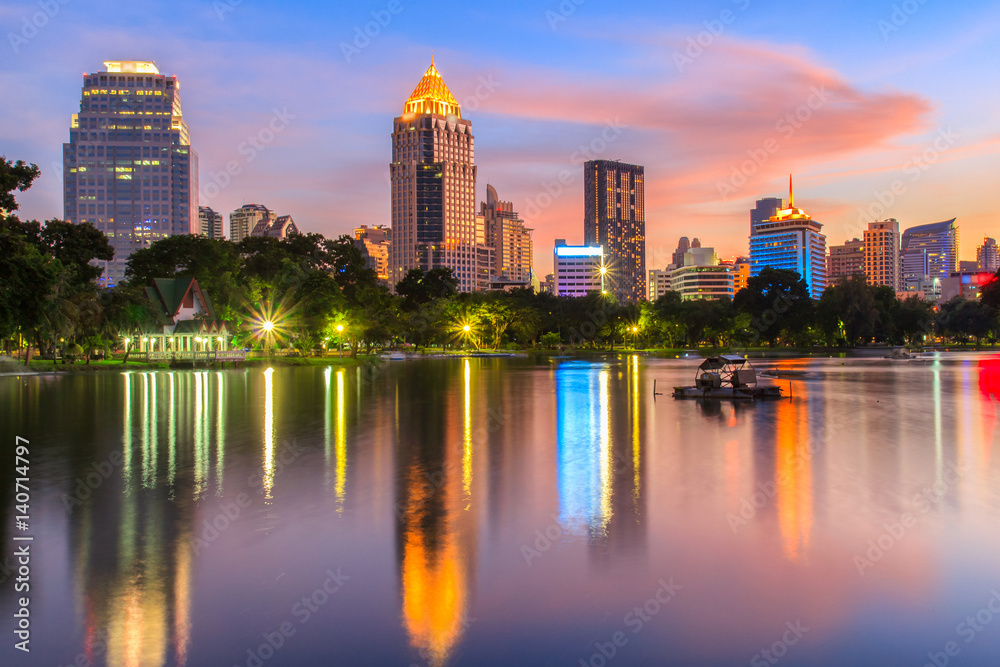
(485, 511)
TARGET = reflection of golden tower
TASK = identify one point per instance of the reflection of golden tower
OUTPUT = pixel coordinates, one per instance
(793, 470)
(437, 504)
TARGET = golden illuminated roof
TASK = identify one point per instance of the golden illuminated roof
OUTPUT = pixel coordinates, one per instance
(790, 213)
(432, 96)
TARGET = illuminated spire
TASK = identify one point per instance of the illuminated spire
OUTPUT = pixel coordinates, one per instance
(431, 96)
(791, 199)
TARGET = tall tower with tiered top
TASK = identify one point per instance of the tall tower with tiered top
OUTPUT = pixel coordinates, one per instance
(433, 177)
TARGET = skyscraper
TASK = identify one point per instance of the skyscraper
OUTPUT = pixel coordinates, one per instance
(939, 242)
(677, 259)
(128, 167)
(433, 176)
(763, 211)
(988, 255)
(790, 239)
(845, 260)
(243, 220)
(614, 213)
(376, 241)
(510, 240)
(210, 223)
(882, 254)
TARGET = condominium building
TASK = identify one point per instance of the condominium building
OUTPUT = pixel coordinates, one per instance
(129, 168)
(845, 260)
(615, 219)
(508, 237)
(988, 256)
(209, 223)
(433, 176)
(579, 270)
(245, 219)
(280, 227)
(659, 283)
(376, 242)
(791, 239)
(881, 249)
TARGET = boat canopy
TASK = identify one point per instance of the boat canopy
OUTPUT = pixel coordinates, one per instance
(721, 361)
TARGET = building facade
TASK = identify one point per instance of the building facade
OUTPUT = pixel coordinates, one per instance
(280, 227)
(129, 168)
(763, 210)
(937, 243)
(702, 276)
(579, 270)
(987, 256)
(741, 273)
(376, 242)
(791, 239)
(209, 223)
(881, 249)
(659, 283)
(509, 239)
(245, 219)
(845, 260)
(433, 176)
(615, 219)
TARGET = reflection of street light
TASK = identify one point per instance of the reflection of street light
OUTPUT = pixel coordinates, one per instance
(340, 343)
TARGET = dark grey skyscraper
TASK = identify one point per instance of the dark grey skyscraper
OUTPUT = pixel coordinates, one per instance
(763, 211)
(939, 242)
(615, 217)
(128, 167)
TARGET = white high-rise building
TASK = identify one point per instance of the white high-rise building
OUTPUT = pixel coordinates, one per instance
(579, 270)
(210, 223)
(129, 167)
(245, 219)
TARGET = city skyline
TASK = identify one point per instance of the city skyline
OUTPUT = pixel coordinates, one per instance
(860, 121)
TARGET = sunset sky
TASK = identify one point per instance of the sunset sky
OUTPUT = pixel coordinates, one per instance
(855, 99)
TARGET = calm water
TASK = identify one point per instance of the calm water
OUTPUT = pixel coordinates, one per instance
(503, 512)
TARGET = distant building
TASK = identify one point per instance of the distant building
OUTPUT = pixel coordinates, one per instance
(741, 273)
(677, 259)
(968, 266)
(790, 239)
(763, 210)
(882, 254)
(210, 223)
(968, 285)
(549, 284)
(579, 270)
(938, 242)
(510, 240)
(615, 219)
(659, 282)
(376, 242)
(702, 276)
(280, 228)
(987, 256)
(243, 220)
(845, 260)
(129, 168)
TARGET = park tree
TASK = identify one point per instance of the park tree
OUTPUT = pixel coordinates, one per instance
(778, 303)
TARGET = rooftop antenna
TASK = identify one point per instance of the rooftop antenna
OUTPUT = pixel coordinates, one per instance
(791, 198)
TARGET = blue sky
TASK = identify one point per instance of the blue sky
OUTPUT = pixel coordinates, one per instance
(895, 96)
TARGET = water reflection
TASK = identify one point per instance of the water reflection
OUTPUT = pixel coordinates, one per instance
(268, 479)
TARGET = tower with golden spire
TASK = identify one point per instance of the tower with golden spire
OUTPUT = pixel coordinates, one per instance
(433, 178)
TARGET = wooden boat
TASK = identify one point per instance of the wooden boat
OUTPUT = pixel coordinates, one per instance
(727, 376)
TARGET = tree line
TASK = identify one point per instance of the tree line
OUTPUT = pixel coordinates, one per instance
(319, 292)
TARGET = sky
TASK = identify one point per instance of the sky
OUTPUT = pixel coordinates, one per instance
(879, 109)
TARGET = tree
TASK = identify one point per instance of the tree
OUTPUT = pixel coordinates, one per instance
(962, 318)
(778, 303)
(76, 246)
(418, 287)
(28, 277)
(14, 176)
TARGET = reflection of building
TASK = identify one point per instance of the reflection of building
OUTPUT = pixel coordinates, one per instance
(615, 218)
(243, 220)
(988, 256)
(128, 167)
(579, 270)
(509, 239)
(433, 175)
(845, 260)
(210, 223)
(279, 228)
(702, 276)
(791, 239)
(929, 251)
(376, 241)
(881, 248)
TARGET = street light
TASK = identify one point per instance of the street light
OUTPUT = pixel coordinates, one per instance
(340, 342)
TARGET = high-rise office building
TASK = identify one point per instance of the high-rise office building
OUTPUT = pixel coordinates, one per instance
(988, 256)
(763, 210)
(245, 219)
(579, 270)
(128, 167)
(938, 242)
(209, 223)
(433, 175)
(882, 254)
(614, 212)
(510, 240)
(677, 259)
(845, 260)
(790, 239)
